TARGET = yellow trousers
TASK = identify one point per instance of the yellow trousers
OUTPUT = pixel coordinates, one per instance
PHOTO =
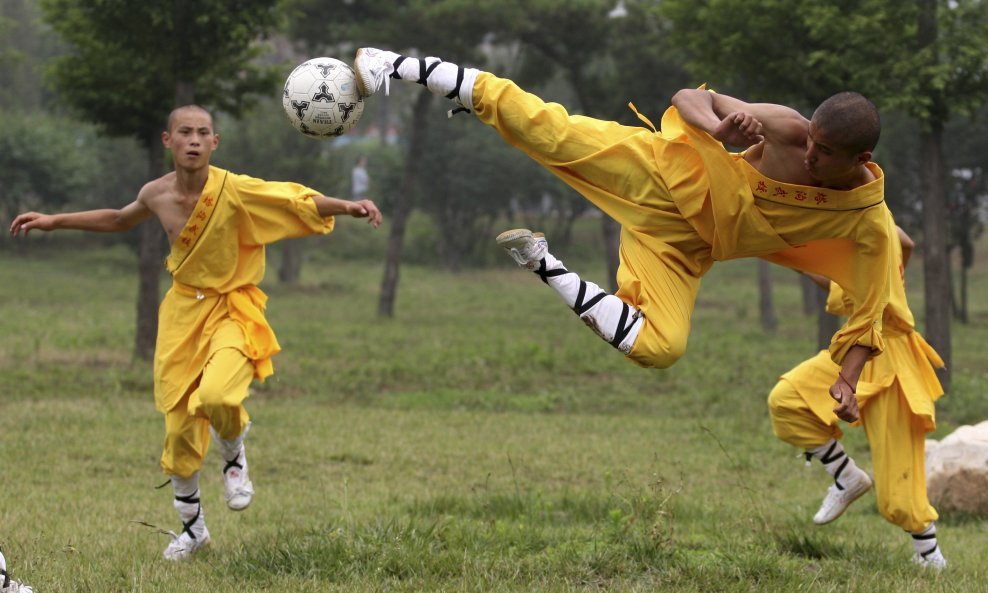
(216, 399)
(896, 436)
(615, 167)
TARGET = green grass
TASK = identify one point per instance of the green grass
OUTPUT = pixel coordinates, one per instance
(482, 440)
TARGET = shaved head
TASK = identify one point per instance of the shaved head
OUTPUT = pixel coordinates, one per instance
(186, 109)
(851, 120)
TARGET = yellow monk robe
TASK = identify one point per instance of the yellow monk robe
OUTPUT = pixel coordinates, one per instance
(683, 202)
(216, 263)
(896, 395)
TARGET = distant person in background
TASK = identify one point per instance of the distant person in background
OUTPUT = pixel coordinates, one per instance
(213, 337)
(359, 179)
(895, 396)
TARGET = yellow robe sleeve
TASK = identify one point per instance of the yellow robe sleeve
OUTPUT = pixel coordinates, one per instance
(278, 210)
(866, 282)
(837, 302)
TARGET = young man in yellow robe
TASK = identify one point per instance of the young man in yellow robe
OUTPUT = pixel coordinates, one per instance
(896, 395)
(213, 338)
(805, 195)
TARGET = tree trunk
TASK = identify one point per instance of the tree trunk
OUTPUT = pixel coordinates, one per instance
(612, 243)
(963, 314)
(826, 324)
(965, 242)
(766, 308)
(403, 206)
(936, 281)
(291, 262)
(150, 254)
(811, 295)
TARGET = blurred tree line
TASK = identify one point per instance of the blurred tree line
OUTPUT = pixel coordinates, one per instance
(87, 84)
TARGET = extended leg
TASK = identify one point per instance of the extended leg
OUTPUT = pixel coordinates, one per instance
(648, 318)
(614, 320)
(613, 165)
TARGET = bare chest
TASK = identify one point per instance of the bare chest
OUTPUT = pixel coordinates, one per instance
(781, 164)
(174, 210)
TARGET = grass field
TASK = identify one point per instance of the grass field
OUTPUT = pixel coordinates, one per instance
(482, 440)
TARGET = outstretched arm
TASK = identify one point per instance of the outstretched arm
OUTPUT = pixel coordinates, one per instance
(327, 206)
(738, 123)
(105, 220)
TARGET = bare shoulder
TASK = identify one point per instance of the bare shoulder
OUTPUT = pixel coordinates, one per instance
(156, 188)
(782, 124)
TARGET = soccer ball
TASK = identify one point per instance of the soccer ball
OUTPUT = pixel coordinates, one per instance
(321, 98)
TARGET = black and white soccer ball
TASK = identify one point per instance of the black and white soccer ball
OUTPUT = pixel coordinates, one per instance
(321, 98)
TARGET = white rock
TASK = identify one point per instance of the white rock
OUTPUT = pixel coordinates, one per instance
(957, 471)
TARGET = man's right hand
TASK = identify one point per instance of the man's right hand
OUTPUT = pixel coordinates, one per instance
(739, 129)
(32, 220)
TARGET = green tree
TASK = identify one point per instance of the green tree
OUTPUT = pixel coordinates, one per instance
(40, 162)
(24, 46)
(133, 62)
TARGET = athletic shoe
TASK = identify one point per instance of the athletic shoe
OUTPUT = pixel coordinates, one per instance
(239, 488)
(374, 66)
(15, 587)
(183, 546)
(7, 584)
(933, 560)
(524, 246)
(841, 494)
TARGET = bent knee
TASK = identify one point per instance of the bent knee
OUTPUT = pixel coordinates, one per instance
(659, 354)
(783, 398)
(210, 396)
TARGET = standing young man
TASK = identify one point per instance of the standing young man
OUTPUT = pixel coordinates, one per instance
(805, 195)
(213, 338)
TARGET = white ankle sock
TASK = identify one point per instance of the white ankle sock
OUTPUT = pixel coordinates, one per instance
(230, 449)
(925, 542)
(440, 77)
(612, 319)
(834, 459)
(187, 504)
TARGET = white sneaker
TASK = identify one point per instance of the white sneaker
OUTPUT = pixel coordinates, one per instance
(236, 482)
(524, 246)
(239, 490)
(932, 560)
(838, 499)
(183, 546)
(9, 585)
(374, 66)
(16, 587)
